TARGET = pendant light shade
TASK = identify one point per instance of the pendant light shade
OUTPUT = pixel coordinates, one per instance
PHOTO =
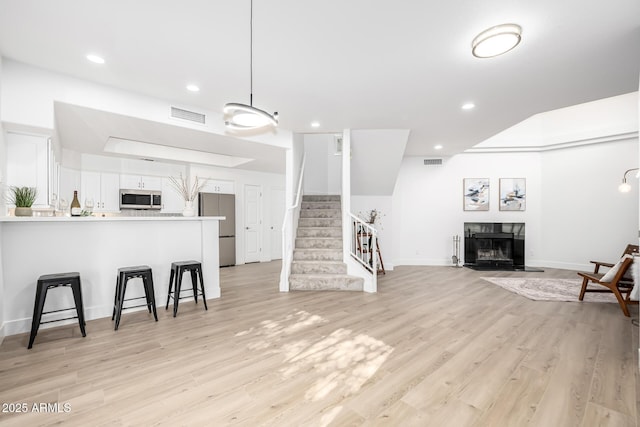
(242, 116)
(496, 40)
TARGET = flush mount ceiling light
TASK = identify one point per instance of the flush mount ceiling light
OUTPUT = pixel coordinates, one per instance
(241, 116)
(496, 40)
(625, 187)
(193, 88)
(468, 106)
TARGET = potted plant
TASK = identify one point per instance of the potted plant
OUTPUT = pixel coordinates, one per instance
(23, 198)
(188, 192)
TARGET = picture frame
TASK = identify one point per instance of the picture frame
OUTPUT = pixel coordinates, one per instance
(513, 194)
(475, 194)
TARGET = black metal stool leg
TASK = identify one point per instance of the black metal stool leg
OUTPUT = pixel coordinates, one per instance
(194, 284)
(37, 313)
(176, 291)
(122, 290)
(77, 297)
(171, 279)
(151, 297)
(204, 297)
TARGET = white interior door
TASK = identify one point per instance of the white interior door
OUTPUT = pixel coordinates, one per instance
(277, 216)
(252, 223)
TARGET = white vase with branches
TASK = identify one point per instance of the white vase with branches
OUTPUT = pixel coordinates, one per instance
(188, 192)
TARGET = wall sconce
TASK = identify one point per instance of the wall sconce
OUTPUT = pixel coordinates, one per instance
(625, 187)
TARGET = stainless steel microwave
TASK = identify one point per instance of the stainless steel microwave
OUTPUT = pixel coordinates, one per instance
(140, 199)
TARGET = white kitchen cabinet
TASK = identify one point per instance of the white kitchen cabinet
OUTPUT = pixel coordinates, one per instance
(172, 201)
(141, 182)
(28, 163)
(219, 186)
(103, 188)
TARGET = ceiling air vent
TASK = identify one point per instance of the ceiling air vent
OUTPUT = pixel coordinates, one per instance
(178, 113)
(432, 162)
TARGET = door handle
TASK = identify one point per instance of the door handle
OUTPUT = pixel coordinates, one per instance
(246, 228)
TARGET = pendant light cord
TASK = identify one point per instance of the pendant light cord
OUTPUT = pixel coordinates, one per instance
(251, 56)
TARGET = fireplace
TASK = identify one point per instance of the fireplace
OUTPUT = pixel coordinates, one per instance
(494, 245)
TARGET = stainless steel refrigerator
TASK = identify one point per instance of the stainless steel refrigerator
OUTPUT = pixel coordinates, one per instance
(214, 204)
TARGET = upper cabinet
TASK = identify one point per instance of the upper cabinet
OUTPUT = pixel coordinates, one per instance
(28, 163)
(101, 190)
(140, 182)
(218, 186)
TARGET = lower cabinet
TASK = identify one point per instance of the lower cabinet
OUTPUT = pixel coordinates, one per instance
(100, 189)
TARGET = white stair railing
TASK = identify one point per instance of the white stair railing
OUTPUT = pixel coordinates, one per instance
(289, 230)
(364, 246)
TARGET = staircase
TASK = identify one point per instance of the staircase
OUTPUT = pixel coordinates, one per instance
(317, 257)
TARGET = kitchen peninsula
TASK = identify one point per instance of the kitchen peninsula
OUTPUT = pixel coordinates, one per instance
(96, 247)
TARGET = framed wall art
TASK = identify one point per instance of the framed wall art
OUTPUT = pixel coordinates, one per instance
(476, 194)
(513, 194)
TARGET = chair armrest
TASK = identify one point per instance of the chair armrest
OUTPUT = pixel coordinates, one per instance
(599, 264)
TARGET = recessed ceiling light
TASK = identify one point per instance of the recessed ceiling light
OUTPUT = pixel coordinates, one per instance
(496, 40)
(315, 124)
(193, 88)
(468, 106)
(95, 58)
(438, 147)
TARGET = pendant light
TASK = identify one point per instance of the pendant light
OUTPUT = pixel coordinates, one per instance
(244, 117)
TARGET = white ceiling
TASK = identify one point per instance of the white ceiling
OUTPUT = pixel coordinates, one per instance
(360, 64)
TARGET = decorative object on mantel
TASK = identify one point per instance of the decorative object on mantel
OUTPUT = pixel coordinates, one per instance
(23, 198)
(188, 193)
(513, 193)
(476, 194)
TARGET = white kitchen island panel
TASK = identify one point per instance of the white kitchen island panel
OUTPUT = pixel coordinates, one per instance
(96, 247)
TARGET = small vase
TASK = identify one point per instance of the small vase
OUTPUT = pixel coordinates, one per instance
(23, 211)
(188, 208)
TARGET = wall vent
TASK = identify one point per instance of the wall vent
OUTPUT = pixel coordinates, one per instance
(192, 116)
(432, 162)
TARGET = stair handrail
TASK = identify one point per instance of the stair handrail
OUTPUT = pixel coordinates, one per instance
(363, 233)
(290, 216)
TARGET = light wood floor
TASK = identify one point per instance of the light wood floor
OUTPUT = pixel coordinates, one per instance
(436, 346)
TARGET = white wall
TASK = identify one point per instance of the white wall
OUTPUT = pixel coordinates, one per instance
(574, 212)
(240, 178)
(376, 158)
(584, 216)
(428, 210)
(323, 169)
(29, 93)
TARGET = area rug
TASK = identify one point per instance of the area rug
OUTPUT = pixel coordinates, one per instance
(541, 289)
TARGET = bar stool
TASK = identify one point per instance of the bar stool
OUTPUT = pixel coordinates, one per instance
(49, 281)
(177, 270)
(124, 275)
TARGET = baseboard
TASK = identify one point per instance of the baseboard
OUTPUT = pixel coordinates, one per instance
(1, 333)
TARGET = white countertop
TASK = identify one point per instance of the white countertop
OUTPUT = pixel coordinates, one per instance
(97, 218)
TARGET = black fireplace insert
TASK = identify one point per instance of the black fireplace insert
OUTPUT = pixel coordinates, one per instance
(494, 245)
